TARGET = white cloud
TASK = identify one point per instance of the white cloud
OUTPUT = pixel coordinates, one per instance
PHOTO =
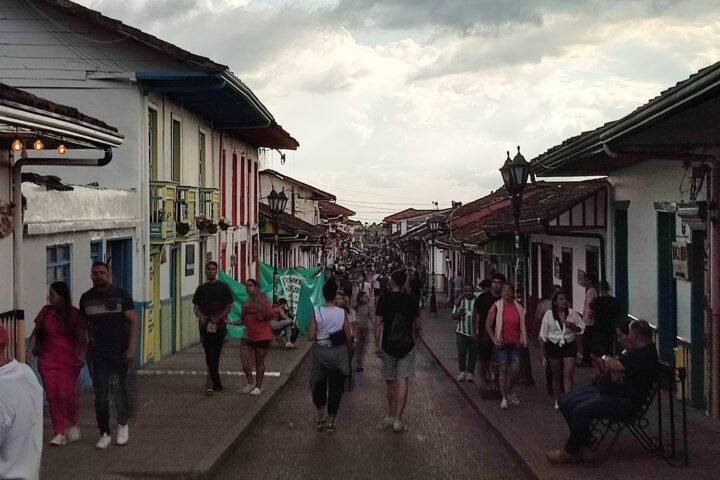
(397, 101)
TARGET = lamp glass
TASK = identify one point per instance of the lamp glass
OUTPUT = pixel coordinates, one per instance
(17, 145)
(38, 145)
(61, 149)
(273, 202)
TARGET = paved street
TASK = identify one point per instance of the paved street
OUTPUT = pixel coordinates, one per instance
(446, 438)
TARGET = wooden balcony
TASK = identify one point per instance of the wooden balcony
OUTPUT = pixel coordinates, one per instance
(162, 211)
(186, 205)
(210, 207)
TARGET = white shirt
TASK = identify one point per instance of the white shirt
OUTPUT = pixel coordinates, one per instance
(365, 287)
(21, 422)
(376, 282)
(551, 331)
(329, 320)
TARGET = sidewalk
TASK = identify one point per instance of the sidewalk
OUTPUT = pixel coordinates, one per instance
(179, 432)
(535, 427)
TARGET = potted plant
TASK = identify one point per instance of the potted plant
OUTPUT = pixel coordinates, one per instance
(223, 224)
(182, 228)
(211, 228)
(202, 222)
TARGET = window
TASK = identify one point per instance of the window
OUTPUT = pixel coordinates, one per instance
(96, 251)
(153, 143)
(189, 260)
(58, 264)
(201, 159)
(176, 158)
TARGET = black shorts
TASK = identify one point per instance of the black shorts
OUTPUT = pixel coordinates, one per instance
(556, 352)
(258, 344)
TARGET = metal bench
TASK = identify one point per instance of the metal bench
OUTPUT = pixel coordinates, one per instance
(606, 430)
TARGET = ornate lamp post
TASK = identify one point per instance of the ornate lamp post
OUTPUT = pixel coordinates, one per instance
(277, 203)
(434, 225)
(515, 174)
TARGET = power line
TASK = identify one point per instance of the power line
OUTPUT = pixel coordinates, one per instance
(363, 202)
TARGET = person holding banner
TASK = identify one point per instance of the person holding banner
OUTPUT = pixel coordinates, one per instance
(256, 315)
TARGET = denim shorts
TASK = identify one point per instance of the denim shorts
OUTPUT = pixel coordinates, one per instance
(394, 368)
(506, 354)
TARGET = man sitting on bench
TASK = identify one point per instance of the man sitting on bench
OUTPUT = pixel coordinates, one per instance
(623, 385)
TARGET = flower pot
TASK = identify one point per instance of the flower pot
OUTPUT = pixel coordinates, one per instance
(212, 228)
(224, 226)
(182, 228)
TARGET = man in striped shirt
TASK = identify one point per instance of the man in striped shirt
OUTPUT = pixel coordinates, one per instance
(467, 346)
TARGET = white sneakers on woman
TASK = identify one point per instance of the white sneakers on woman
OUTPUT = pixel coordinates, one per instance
(72, 434)
(248, 388)
(123, 437)
(256, 391)
(104, 441)
(58, 440)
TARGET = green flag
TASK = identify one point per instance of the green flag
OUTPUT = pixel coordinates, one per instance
(301, 288)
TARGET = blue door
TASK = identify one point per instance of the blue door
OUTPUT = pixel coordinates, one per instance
(120, 260)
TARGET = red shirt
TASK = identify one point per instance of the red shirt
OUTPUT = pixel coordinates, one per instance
(510, 323)
(256, 315)
(60, 344)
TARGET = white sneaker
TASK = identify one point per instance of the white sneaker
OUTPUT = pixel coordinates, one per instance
(461, 377)
(103, 442)
(469, 377)
(504, 404)
(556, 406)
(513, 400)
(247, 388)
(58, 440)
(256, 391)
(123, 435)
(72, 434)
(387, 421)
(399, 426)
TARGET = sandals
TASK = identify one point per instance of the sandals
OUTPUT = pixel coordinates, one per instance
(320, 421)
(330, 427)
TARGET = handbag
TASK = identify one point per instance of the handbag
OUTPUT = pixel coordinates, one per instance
(39, 333)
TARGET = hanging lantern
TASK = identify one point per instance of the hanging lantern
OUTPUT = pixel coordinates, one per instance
(38, 145)
(17, 145)
(61, 149)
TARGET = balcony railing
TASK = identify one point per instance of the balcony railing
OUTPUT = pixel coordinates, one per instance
(162, 210)
(210, 208)
(186, 208)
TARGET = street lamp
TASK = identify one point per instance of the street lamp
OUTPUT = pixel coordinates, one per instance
(277, 203)
(515, 174)
(434, 225)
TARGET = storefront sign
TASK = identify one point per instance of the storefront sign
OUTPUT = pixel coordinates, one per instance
(680, 260)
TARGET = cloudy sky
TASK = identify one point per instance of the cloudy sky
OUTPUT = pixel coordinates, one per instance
(399, 103)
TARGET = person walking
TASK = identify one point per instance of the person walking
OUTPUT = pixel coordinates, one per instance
(59, 340)
(331, 353)
(283, 327)
(255, 315)
(21, 417)
(481, 308)
(112, 335)
(363, 320)
(211, 304)
(558, 330)
(542, 308)
(396, 330)
(465, 339)
(506, 326)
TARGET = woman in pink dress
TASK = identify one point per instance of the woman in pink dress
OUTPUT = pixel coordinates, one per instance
(59, 341)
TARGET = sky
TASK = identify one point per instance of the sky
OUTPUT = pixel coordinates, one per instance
(399, 103)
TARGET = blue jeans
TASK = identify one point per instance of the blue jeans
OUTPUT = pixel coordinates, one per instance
(506, 355)
(582, 405)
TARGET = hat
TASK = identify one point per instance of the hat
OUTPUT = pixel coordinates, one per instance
(4, 338)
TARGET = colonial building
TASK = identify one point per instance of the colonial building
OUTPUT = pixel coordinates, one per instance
(54, 234)
(661, 162)
(190, 156)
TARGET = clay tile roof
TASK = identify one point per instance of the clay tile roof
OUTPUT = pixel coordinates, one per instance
(542, 201)
(407, 213)
(333, 210)
(12, 95)
(294, 223)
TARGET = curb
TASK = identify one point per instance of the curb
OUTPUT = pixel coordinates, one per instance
(211, 462)
(512, 448)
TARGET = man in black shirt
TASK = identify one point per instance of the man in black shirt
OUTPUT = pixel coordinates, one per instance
(212, 303)
(606, 310)
(397, 322)
(112, 325)
(482, 306)
(624, 384)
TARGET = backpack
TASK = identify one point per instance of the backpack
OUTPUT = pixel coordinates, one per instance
(399, 338)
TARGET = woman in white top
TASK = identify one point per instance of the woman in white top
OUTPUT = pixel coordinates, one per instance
(331, 353)
(558, 331)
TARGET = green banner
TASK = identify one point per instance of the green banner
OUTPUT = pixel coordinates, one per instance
(301, 288)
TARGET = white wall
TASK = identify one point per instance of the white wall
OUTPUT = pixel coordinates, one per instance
(305, 209)
(643, 184)
(579, 248)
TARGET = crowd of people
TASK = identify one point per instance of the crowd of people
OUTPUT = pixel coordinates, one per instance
(492, 328)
